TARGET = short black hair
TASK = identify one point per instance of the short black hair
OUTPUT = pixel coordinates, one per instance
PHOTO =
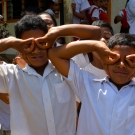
(102, 23)
(31, 8)
(29, 22)
(122, 39)
(52, 17)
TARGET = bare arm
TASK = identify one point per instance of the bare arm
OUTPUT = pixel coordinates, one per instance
(18, 44)
(78, 30)
(60, 56)
(81, 15)
(4, 97)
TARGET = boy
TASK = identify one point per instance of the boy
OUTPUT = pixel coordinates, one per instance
(122, 17)
(93, 12)
(79, 8)
(41, 101)
(103, 11)
(108, 105)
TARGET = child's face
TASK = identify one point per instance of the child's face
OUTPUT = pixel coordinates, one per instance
(56, 7)
(48, 20)
(37, 57)
(97, 3)
(121, 72)
(104, 3)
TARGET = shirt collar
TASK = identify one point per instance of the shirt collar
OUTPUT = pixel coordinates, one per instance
(106, 79)
(49, 68)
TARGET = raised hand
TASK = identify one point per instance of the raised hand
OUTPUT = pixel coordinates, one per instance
(131, 60)
(18, 44)
(106, 55)
(48, 40)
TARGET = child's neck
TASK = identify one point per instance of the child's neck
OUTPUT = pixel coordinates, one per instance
(40, 70)
(119, 86)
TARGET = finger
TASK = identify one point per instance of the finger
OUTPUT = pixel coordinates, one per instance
(41, 44)
(106, 70)
(113, 57)
(131, 60)
(29, 46)
(103, 40)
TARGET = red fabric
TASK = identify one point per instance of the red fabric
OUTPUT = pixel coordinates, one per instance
(103, 16)
(124, 20)
(90, 15)
(75, 38)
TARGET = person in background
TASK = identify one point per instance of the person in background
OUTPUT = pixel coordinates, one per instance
(79, 8)
(130, 8)
(122, 17)
(103, 11)
(51, 22)
(51, 7)
(93, 12)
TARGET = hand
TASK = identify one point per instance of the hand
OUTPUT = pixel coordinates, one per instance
(18, 44)
(48, 40)
(119, 18)
(73, 6)
(4, 97)
(20, 61)
(131, 60)
(106, 55)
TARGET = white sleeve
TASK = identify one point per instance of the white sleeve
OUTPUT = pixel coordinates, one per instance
(96, 13)
(121, 14)
(131, 8)
(85, 5)
(76, 79)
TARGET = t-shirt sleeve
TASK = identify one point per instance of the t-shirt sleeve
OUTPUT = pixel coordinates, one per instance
(121, 14)
(76, 80)
(85, 5)
(6, 77)
(96, 13)
(132, 8)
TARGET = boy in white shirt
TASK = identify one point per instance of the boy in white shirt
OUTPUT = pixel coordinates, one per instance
(130, 8)
(90, 61)
(41, 101)
(79, 8)
(108, 105)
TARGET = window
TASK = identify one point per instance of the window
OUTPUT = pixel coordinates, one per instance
(14, 7)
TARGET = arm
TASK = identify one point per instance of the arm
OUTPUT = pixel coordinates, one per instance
(17, 44)
(60, 56)
(4, 97)
(81, 31)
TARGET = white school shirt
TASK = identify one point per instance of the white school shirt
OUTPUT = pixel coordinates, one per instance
(95, 12)
(80, 6)
(104, 110)
(4, 113)
(26, 88)
(4, 116)
(130, 8)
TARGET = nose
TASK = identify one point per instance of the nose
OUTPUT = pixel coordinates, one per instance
(121, 64)
(36, 49)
